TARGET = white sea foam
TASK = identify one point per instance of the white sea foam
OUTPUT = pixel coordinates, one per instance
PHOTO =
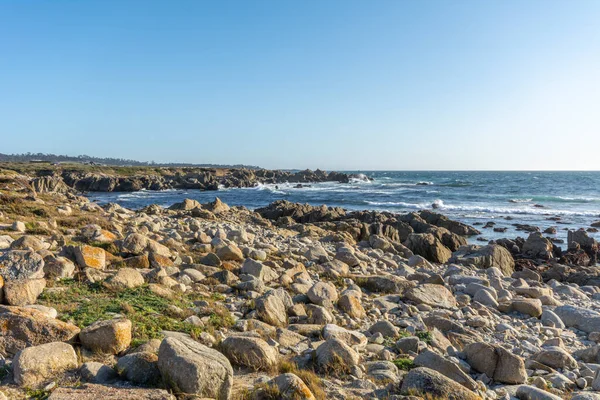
(484, 209)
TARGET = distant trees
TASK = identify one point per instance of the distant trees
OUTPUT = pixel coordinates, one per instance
(53, 158)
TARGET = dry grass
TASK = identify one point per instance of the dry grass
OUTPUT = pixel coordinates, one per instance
(310, 378)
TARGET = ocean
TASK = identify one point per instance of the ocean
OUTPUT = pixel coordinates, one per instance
(565, 200)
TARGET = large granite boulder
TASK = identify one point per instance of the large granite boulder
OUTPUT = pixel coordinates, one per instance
(35, 365)
(190, 367)
(21, 327)
(428, 246)
(485, 257)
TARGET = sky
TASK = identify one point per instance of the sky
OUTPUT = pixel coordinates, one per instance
(331, 84)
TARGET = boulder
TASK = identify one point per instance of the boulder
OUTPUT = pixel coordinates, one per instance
(537, 246)
(526, 392)
(96, 372)
(140, 368)
(428, 246)
(580, 318)
(21, 327)
(352, 338)
(90, 257)
(250, 352)
(109, 337)
(271, 309)
(555, 357)
(21, 264)
(186, 205)
(335, 355)
(35, 365)
(230, 252)
(291, 387)
(485, 257)
(431, 295)
(425, 382)
(531, 307)
(190, 367)
(28, 242)
(434, 361)
(496, 362)
(59, 268)
(22, 292)
(352, 306)
(125, 278)
(323, 294)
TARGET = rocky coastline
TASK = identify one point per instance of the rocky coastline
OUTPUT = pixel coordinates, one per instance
(86, 178)
(289, 301)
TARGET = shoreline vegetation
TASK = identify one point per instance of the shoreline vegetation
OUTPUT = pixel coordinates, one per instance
(289, 301)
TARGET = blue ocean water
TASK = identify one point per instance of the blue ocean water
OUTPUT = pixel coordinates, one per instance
(506, 198)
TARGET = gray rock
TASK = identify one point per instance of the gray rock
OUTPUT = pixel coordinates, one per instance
(427, 382)
(333, 354)
(432, 360)
(485, 257)
(35, 365)
(140, 368)
(581, 318)
(190, 367)
(21, 264)
(96, 372)
(431, 295)
(250, 352)
(525, 392)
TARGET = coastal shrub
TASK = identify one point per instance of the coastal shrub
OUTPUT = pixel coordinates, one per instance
(425, 336)
(404, 364)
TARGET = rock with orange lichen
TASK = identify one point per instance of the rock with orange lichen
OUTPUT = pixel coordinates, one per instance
(290, 386)
(108, 337)
(21, 327)
(90, 257)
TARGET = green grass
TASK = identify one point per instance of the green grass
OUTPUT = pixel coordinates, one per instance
(424, 336)
(37, 394)
(404, 364)
(83, 304)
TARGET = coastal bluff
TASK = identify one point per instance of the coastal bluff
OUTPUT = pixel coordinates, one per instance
(46, 177)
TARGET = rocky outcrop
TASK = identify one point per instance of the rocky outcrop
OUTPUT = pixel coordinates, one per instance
(182, 178)
(485, 257)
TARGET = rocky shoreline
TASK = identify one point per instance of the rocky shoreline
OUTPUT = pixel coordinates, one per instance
(86, 178)
(289, 301)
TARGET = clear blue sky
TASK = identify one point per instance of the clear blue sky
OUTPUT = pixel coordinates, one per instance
(335, 84)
